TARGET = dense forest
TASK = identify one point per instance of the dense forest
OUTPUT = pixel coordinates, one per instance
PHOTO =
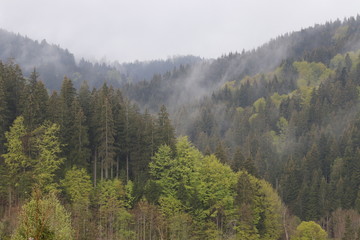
(121, 174)
(262, 144)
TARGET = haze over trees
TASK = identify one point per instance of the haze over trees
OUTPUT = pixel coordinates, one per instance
(261, 144)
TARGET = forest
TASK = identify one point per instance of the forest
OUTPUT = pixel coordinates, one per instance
(264, 151)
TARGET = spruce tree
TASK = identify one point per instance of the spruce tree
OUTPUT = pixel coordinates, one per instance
(220, 153)
(35, 102)
(106, 133)
(349, 231)
(238, 160)
(67, 117)
(79, 151)
(165, 131)
(3, 115)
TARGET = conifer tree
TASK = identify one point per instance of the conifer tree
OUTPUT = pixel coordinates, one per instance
(106, 133)
(47, 159)
(35, 102)
(43, 217)
(3, 115)
(80, 152)
(349, 231)
(14, 83)
(165, 131)
(67, 117)
(238, 160)
(54, 111)
(17, 161)
(220, 153)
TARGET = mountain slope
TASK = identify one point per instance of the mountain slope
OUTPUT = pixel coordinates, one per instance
(315, 44)
(288, 111)
(54, 62)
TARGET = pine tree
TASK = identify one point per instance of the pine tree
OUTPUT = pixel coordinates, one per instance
(165, 131)
(78, 188)
(43, 217)
(220, 153)
(67, 117)
(3, 115)
(54, 111)
(47, 159)
(249, 166)
(79, 151)
(238, 160)
(106, 133)
(14, 83)
(35, 102)
(17, 161)
(349, 231)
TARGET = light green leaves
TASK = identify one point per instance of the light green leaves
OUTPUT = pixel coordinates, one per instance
(309, 231)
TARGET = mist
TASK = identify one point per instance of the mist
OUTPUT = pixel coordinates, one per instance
(126, 31)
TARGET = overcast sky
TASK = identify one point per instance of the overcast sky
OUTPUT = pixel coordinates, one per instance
(128, 30)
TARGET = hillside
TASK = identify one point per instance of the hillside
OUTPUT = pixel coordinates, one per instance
(262, 144)
(315, 44)
(288, 112)
(53, 63)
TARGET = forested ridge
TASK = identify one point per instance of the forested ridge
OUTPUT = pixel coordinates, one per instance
(55, 62)
(269, 149)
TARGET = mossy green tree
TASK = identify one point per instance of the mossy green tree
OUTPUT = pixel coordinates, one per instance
(78, 188)
(43, 218)
(309, 231)
(114, 219)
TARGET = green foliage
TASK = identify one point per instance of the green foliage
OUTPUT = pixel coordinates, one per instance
(309, 231)
(43, 217)
(78, 188)
(129, 194)
(273, 210)
(114, 220)
(16, 158)
(349, 231)
(260, 208)
(164, 130)
(277, 99)
(259, 105)
(77, 185)
(110, 195)
(312, 74)
(216, 183)
(48, 158)
(106, 132)
(341, 32)
(296, 127)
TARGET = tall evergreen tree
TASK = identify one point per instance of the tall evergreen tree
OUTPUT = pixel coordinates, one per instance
(238, 160)
(165, 131)
(106, 133)
(35, 102)
(80, 152)
(3, 115)
(67, 117)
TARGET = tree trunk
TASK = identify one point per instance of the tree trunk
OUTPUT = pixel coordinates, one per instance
(117, 166)
(102, 169)
(284, 223)
(10, 200)
(95, 162)
(127, 167)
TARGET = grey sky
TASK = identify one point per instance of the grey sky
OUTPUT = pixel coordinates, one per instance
(152, 29)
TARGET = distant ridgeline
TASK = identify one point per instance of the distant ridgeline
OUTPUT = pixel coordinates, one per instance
(320, 43)
(53, 63)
